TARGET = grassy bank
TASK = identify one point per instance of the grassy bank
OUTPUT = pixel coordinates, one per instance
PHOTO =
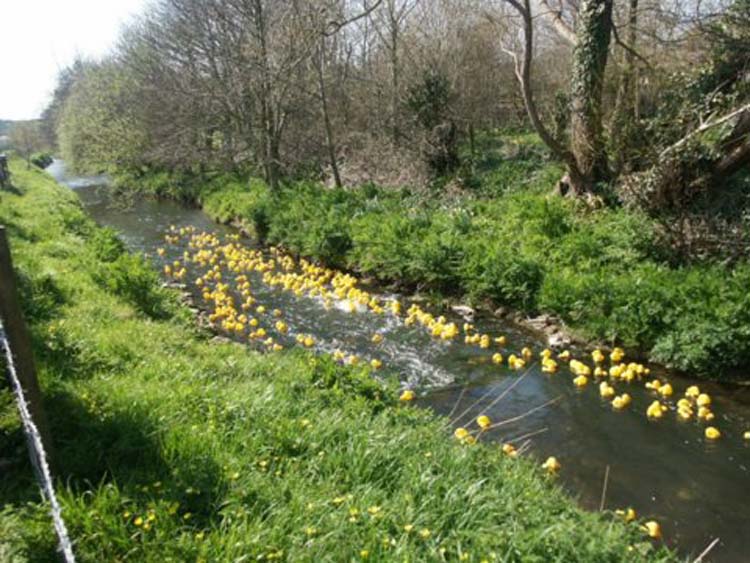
(174, 448)
(504, 239)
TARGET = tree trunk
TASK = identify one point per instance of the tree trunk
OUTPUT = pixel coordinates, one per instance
(330, 142)
(589, 62)
(623, 118)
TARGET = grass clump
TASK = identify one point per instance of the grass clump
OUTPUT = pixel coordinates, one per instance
(174, 448)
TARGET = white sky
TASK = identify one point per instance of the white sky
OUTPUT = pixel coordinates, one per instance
(39, 37)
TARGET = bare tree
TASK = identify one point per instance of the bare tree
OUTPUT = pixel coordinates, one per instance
(26, 138)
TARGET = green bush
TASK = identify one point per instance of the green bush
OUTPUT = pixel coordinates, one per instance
(41, 159)
(132, 278)
(233, 199)
(106, 245)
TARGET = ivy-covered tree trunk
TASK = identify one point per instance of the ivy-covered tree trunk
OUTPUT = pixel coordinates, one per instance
(589, 62)
(624, 116)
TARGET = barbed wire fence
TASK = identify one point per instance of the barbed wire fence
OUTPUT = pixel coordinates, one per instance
(37, 453)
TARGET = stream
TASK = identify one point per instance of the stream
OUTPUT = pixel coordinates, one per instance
(698, 490)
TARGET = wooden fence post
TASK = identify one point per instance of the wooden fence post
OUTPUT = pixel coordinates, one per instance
(20, 343)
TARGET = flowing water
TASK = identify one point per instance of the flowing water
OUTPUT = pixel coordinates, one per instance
(666, 470)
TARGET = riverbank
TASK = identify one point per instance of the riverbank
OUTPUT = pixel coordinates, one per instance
(506, 243)
(171, 446)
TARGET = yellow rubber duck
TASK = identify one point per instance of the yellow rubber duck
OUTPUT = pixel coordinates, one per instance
(461, 433)
(656, 410)
(606, 390)
(407, 395)
(376, 364)
(712, 433)
(377, 338)
(617, 355)
(580, 381)
(666, 390)
(627, 514)
(653, 529)
(621, 401)
(703, 400)
(597, 356)
(551, 465)
(497, 359)
(509, 450)
(484, 422)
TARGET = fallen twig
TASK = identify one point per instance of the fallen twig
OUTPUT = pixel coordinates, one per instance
(524, 415)
(494, 402)
(604, 489)
(706, 551)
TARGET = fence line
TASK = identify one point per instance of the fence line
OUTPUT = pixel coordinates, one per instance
(37, 453)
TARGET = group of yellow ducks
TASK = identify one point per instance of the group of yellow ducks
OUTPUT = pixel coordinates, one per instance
(303, 278)
(206, 252)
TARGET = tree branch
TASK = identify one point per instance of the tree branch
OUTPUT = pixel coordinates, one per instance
(523, 73)
(560, 25)
(334, 27)
(704, 127)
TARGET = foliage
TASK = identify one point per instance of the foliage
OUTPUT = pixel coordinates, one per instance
(41, 159)
(227, 453)
(100, 126)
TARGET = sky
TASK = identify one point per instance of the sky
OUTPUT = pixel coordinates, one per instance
(40, 37)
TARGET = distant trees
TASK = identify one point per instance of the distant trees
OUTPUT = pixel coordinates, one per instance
(386, 90)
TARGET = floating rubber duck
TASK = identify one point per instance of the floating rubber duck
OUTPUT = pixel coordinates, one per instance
(621, 401)
(377, 338)
(549, 365)
(484, 422)
(703, 400)
(580, 381)
(627, 514)
(509, 450)
(376, 364)
(654, 385)
(514, 362)
(527, 353)
(500, 340)
(461, 433)
(666, 390)
(551, 465)
(497, 358)
(746, 435)
(653, 529)
(597, 356)
(656, 410)
(407, 395)
(617, 355)
(692, 392)
(564, 355)
(712, 433)
(606, 390)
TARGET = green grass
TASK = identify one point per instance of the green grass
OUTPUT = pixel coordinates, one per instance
(237, 455)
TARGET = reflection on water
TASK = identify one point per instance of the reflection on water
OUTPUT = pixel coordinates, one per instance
(664, 469)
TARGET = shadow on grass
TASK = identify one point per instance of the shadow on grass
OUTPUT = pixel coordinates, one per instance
(95, 446)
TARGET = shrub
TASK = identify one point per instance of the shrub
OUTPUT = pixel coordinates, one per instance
(132, 278)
